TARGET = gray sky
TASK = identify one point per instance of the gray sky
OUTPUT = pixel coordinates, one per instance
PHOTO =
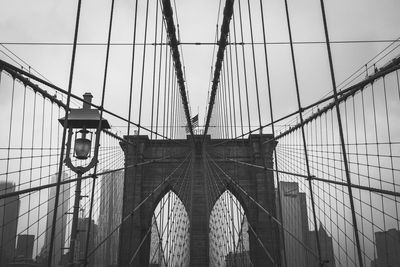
(53, 21)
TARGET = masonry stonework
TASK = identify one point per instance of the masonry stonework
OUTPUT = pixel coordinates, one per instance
(142, 177)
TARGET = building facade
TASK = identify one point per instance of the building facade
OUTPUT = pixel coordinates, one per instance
(294, 217)
(387, 248)
(80, 245)
(140, 181)
(109, 217)
(300, 243)
(9, 210)
(25, 247)
(326, 244)
(61, 221)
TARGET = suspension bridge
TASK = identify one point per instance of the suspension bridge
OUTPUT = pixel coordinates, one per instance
(277, 172)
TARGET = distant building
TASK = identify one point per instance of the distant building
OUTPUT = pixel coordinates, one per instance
(110, 215)
(326, 244)
(238, 259)
(218, 255)
(80, 246)
(24, 252)
(9, 210)
(243, 243)
(295, 221)
(24, 247)
(61, 221)
(388, 248)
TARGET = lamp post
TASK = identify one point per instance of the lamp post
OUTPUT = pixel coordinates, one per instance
(80, 122)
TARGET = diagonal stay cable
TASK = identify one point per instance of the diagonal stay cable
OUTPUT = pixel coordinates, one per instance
(64, 134)
(37, 188)
(312, 177)
(251, 228)
(343, 95)
(163, 229)
(210, 170)
(19, 74)
(175, 204)
(276, 220)
(138, 206)
(217, 195)
(240, 188)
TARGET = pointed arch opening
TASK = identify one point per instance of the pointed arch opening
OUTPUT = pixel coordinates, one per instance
(170, 239)
(229, 238)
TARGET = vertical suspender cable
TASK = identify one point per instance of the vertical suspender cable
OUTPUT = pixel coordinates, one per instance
(173, 42)
(61, 160)
(230, 104)
(273, 132)
(154, 71)
(3, 223)
(254, 66)
(168, 95)
(237, 76)
(244, 67)
(132, 68)
(97, 142)
(223, 103)
(344, 153)
(41, 161)
(172, 106)
(166, 85)
(159, 81)
(302, 132)
(228, 12)
(233, 90)
(143, 62)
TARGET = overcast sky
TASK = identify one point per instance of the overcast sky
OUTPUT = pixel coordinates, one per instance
(53, 21)
(27, 21)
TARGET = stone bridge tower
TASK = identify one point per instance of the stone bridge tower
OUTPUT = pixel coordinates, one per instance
(142, 179)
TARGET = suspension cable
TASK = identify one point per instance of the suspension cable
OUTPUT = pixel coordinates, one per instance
(173, 42)
(228, 11)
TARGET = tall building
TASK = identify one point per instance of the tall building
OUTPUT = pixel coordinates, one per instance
(110, 214)
(80, 246)
(61, 221)
(388, 248)
(25, 247)
(294, 215)
(243, 243)
(326, 244)
(9, 210)
(295, 221)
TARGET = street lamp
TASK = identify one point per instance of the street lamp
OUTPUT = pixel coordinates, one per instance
(83, 144)
(80, 122)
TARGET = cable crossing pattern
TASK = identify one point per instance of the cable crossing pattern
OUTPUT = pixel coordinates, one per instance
(285, 168)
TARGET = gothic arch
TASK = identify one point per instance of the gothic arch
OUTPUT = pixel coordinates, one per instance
(169, 239)
(140, 182)
(228, 224)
